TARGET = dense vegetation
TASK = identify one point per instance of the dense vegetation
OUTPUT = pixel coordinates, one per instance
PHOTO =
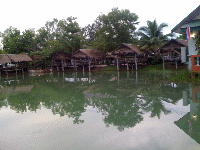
(106, 33)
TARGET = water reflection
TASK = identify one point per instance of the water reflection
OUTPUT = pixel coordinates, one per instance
(123, 98)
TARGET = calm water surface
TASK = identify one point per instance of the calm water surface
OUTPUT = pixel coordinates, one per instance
(117, 110)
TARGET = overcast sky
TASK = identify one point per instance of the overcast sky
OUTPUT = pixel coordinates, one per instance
(25, 14)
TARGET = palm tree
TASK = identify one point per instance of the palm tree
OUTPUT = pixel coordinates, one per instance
(151, 36)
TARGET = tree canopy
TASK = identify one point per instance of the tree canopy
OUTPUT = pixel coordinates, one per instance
(111, 30)
(106, 34)
(151, 36)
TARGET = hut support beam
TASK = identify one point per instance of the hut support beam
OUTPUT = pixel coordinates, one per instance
(23, 68)
(57, 67)
(163, 63)
(127, 67)
(16, 67)
(176, 64)
(83, 68)
(63, 66)
(51, 66)
(135, 62)
(117, 63)
(89, 64)
(6, 69)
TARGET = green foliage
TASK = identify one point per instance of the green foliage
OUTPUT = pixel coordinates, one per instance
(152, 36)
(182, 36)
(197, 38)
(15, 43)
(12, 41)
(111, 30)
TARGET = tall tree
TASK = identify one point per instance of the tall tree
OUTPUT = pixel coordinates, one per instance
(59, 35)
(28, 41)
(12, 41)
(112, 30)
(152, 36)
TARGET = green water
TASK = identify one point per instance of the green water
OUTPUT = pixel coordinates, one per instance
(109, 110)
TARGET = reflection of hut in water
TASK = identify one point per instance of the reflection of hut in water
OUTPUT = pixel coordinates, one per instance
(171, 51)
(13, 90)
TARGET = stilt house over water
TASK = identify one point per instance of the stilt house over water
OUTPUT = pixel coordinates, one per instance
(171, 51)
(86, 56)
(17, 59)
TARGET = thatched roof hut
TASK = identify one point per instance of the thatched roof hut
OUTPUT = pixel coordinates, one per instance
(87, 53)
(4, 59)
(127, 49)
(60, 56)
(173, 45)
(15, 58)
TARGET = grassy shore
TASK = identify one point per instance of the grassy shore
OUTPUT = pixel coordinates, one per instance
(182, 73)
(157, 67)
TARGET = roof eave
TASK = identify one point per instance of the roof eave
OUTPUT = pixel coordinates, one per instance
(177, 27)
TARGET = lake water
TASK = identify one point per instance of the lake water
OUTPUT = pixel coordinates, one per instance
(109, 110)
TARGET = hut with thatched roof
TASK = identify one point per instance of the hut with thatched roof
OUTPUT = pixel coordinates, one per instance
(128, 54)
(172, 49)
(4, 59)
(61, 59)
(15, 59)
(87, 57)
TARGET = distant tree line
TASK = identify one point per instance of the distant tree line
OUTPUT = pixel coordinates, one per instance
(106, 34)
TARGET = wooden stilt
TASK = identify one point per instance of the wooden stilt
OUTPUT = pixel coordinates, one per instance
(135, 62)
(63, 66)
(136, 76)
(16, 67)
(6, 69)
(51, 67)
(127, 74)
(118, 78)
(83, 68)
(117, 63)
(57, 67)
(127, 67)
(163, 63)
(89, 64)
(176, 65)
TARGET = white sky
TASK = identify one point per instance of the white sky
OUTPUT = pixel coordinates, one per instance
(23, 14)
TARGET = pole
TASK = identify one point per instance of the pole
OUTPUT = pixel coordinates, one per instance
(16, 67)
(57, 67)
(117, 63)
(62, 66)
(176, 65)
(89, 64)
(135, 62)
(163, 63)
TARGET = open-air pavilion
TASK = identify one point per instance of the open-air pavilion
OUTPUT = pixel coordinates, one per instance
(87, 57)
(128, 54)
(171, 50)
(61, 59)
(14, 59)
